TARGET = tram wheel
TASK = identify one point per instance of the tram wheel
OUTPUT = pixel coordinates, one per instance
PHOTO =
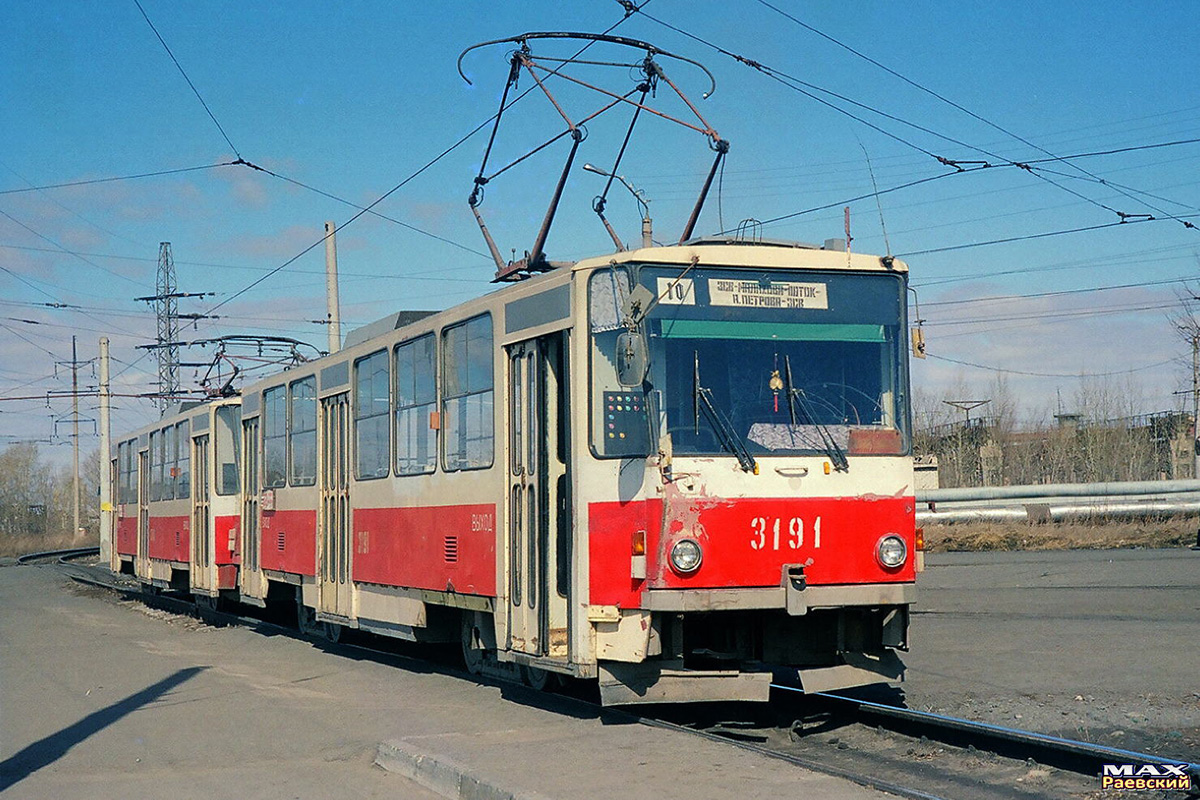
(472, 656)
(537, 678)
(306, 621)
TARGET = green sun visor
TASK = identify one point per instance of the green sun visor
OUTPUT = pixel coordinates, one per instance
(782, 331)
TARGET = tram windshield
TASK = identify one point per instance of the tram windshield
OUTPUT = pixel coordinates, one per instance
(732, 336)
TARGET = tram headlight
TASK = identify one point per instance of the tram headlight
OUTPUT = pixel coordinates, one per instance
(891, 551)
(686, 556)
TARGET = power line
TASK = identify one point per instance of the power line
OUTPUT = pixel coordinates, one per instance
(1026, 237)
(68, 251)
(117, 178)
(323, 193)
(975, 116)
(195, 91)
(795, 84)
(630, 9)
(1050, 374)
(1059, 293)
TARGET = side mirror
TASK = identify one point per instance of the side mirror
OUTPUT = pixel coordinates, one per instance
(633, 358)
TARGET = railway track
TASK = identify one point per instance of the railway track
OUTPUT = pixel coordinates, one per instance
(61, 556)
(846, 737)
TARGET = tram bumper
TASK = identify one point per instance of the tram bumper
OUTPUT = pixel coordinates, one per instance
(652, 682)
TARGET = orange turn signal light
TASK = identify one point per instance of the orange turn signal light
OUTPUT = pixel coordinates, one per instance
(920, 539)
(639, 543)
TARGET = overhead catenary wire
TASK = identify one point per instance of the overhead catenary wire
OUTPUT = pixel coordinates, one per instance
(972, 114)
(366, 209)
(182, 72)
(796, 84)
(116, 178)
(1031, 374)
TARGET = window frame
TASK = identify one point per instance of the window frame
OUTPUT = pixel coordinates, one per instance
(356, 418)
(311, 480)
(183, 460)
(446, 398)
(432, 403)
(269, 435)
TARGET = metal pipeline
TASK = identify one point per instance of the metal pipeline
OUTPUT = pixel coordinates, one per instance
(1057, 490)
(1040, 512)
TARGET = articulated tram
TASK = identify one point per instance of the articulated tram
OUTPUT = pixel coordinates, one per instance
(684, 472)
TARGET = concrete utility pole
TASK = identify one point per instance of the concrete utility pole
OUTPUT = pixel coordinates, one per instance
(75, 438)
(332, 306)
(1196, 404)
(106, 498)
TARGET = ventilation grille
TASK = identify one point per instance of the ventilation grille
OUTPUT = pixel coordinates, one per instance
(279, 540)
(450, 549)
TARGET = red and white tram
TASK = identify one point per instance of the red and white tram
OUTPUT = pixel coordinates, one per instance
(177, 489)
(683, 471)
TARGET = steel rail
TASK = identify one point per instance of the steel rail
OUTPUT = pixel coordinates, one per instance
(1073, 755)
(71, 552)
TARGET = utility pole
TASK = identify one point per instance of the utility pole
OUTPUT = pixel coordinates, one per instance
(75, 438)
(332, 306)
(1195, 404)
(106, 498)
(75, 364)
(166, 309)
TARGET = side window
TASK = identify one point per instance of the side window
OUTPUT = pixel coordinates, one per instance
(183, 470)
(467, 399)
(274, 428)
(416, 401)
(371, 416)
(227, 447)
(302, 432)
(156, 465)
(123, 472)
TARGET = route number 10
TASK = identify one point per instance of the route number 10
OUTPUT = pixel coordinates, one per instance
(765, 533)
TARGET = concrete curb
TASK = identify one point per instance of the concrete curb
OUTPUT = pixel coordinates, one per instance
(442, 774)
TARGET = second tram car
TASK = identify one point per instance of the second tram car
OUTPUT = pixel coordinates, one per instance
(683, 471)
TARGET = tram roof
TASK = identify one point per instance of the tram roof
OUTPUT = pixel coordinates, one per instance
(768, 253)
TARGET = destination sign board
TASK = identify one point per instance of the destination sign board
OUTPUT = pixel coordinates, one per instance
(776, 294)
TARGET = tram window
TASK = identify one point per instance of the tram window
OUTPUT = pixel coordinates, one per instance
(156, 465)
(302, 432)
(416, 399)
(371, 416)
(131, 472)
(227, 444)
(467, 416)
(183, 461)
(274, 438)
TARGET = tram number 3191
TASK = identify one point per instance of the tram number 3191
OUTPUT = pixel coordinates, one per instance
(766, 533)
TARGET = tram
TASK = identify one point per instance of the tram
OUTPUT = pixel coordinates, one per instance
(683, 472)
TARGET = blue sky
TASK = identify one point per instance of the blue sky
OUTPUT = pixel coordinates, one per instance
(352, 99)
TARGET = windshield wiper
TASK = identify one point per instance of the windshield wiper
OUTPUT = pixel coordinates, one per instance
(797, 397)
(726, 433)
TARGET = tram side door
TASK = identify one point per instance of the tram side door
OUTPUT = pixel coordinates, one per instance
(336, 587)
(202, 534)
(142, 561)
(250, 576)
(538, 524)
